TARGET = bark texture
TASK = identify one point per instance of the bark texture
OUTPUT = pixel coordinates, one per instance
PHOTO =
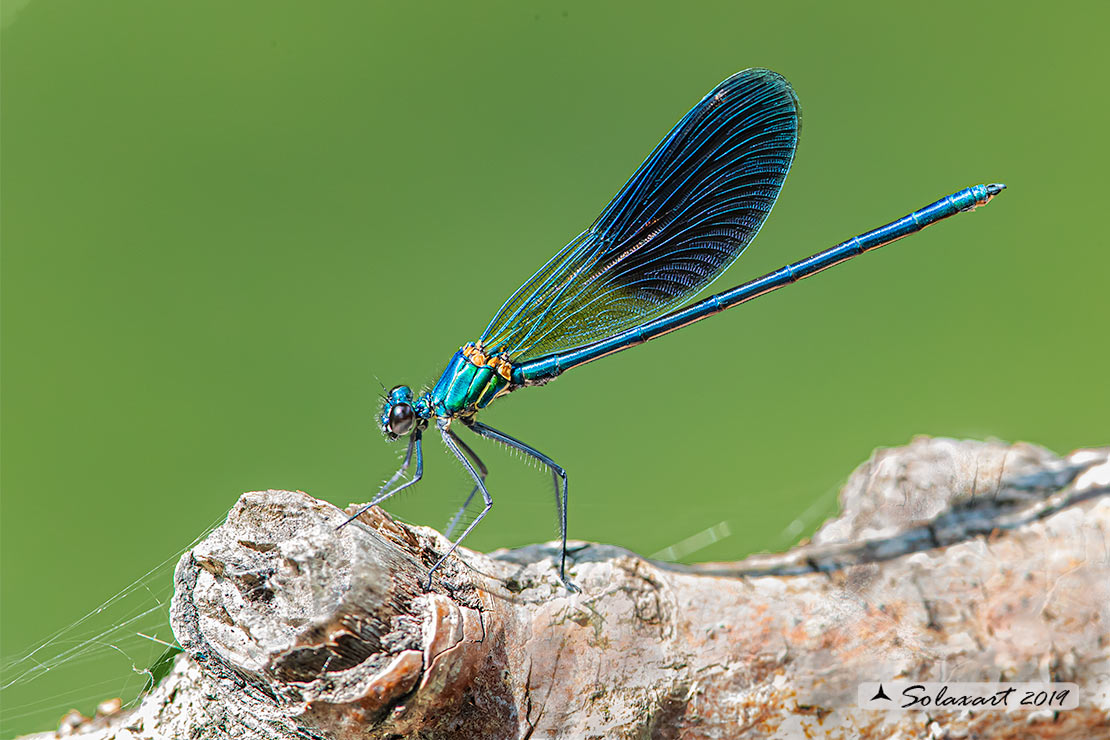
(957, 561)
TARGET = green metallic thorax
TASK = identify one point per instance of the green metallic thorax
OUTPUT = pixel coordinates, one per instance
(464, 388)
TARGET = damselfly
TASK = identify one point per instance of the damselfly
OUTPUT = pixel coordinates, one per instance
(685, 215)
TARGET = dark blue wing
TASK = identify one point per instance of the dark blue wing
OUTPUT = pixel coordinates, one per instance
(686, 215)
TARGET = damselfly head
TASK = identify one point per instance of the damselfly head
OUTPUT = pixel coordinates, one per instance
(398, 416)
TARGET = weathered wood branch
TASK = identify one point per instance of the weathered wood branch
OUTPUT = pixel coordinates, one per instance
(959, 561)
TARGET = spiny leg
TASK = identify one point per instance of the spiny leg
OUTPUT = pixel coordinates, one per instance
(385, 492)
(400, 471)
(558, 475)
(483, 471)
(451, 441)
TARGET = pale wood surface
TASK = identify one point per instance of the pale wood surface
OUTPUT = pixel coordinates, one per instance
(950, 560)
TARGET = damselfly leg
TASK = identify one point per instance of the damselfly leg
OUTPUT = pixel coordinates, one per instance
(385, 491)
(482, 471)
(453, 443)
(558, 475)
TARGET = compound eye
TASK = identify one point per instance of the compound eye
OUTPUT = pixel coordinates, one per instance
(401, 419)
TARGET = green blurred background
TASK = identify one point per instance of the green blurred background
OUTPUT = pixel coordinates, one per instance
(224, 222)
